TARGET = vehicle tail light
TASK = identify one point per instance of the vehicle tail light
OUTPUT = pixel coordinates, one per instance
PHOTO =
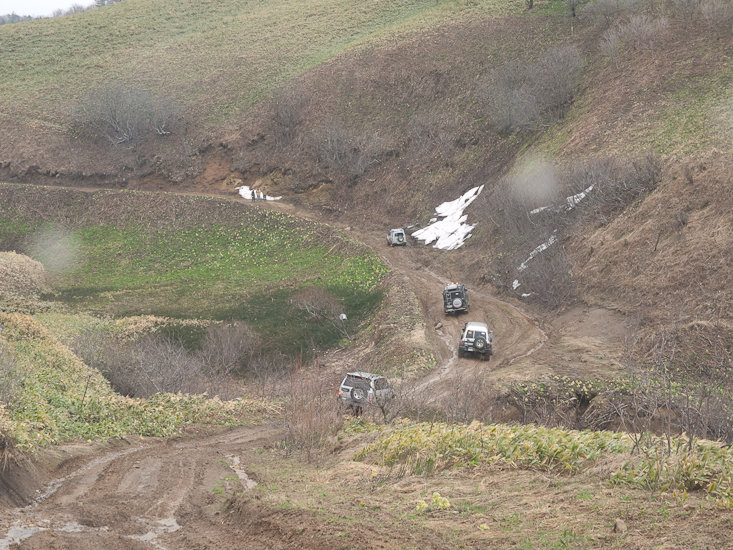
(339, 393)
(370, 399)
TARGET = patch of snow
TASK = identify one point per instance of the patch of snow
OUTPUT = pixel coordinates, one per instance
(571, 201)
(246, 193)
(545, 245)
(450, 232)
(527, 295)
(515, 284)
(575, 199)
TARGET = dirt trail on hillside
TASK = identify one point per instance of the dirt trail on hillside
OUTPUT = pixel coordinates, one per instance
(170, 494)
(162, 494)
(515, 334)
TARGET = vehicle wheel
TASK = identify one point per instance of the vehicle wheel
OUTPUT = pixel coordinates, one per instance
(480, 343)
(457, 303)
(460, 353)
(484, 356)
(358, 394)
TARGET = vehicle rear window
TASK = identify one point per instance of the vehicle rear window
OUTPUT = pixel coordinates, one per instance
(351, 380)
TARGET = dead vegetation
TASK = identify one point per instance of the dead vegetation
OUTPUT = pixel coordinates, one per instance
(153, 364)
(21, 276)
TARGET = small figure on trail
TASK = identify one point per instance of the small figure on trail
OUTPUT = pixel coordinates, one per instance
(254, 196)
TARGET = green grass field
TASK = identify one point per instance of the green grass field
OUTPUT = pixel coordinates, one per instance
(246, 264)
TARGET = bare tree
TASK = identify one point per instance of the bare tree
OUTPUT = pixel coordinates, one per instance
(122, 114)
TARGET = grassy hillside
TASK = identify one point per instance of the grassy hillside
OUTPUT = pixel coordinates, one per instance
(192, 257)
(49, 395)
(217, 57)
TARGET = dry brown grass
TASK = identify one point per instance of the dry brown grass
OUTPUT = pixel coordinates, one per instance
(21, 276)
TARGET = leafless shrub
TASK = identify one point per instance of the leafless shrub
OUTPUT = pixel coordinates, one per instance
(668, 394)
(152, 364)
(322, 306)
(227, 349)
(614, 184)
(470, 398)
(530, 224)
(548, 281)
(429, 135)
(342, 150)
(718, 14)
(639, 31)
(605, 11)
(164, 114)
(287, 115)
(312, 412)
(520, 95)
(611, 43)
(122, 114)
(411, 400)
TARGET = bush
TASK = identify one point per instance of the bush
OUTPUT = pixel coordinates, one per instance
(287, 115)
(637, 32)
(605, 11)
(520, 95)
(342, 150)
(718, 14)
(20, 276)
(154, 364)
(311, 410)
(121, 114)
(541, 205)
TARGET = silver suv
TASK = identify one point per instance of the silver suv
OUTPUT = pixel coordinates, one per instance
(476, 338)
(396, 237)
(360, 389)
(455, 298)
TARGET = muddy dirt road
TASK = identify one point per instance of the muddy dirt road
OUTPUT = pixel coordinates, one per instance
(516, 335)
(142, 495)
(167, 494)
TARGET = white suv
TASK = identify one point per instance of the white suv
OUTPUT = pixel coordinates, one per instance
(360, 389)
(476, 338)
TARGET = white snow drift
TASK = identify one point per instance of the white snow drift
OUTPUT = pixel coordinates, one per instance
(450, 232)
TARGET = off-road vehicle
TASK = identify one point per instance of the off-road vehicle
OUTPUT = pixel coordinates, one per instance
(396, 237)
(455, 298)
(476, 338)
(361, 389)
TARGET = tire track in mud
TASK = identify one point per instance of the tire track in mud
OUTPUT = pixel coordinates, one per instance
(160, 495)
(516, 335)
(152, 495)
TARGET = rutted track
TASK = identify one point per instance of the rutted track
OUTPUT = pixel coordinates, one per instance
(149, 495)
(159, 494)
(515, 334)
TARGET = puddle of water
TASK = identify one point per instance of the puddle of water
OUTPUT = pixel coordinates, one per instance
(165, 526)
(19, 533)
(234, 462)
